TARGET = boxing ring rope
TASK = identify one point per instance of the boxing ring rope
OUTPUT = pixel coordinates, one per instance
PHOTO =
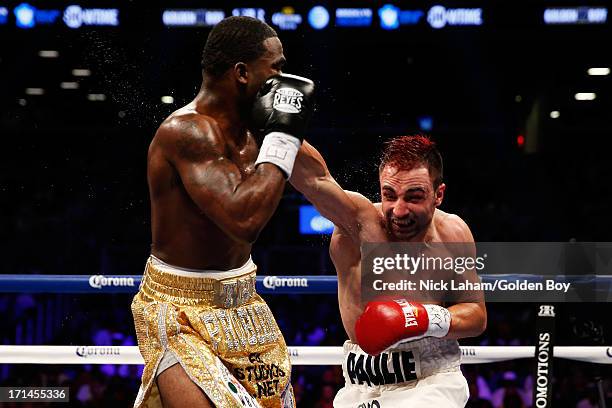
(296, 285)
(11, 354)
(299, 355)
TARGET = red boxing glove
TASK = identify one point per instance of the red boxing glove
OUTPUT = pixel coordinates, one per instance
(385, 324)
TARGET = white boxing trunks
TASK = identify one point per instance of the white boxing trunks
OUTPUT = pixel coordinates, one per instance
(417, 374)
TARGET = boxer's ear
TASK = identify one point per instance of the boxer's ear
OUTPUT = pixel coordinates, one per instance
(241, 72)
(440, 194)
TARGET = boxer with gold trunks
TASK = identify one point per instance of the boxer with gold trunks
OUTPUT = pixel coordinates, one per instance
(207, 338)
(219, 330)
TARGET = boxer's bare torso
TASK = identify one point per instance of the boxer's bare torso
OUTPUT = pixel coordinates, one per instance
(208, 202)
(213, 158)
(346, 255)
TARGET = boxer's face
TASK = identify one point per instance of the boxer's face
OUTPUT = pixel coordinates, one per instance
(408, 201)
(269, 64)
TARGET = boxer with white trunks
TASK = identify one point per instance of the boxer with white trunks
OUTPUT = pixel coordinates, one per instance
(388, 362)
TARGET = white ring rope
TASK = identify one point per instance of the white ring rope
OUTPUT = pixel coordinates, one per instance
(299, 355)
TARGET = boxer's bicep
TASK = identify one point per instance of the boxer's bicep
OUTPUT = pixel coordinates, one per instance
(207, 175)
(469, 313)
(209, 183)
(344, 250)
(240, 207)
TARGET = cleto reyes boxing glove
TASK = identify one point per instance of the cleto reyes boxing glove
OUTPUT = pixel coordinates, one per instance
(281, 112)
(385, 324)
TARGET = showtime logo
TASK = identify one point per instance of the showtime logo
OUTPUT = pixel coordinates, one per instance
(439, 16)
(75, 17)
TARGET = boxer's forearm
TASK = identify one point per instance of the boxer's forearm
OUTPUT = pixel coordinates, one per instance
(308, 169)
(467, 320)
(312, 178)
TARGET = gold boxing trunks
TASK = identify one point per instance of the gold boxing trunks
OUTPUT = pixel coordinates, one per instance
(219, 330)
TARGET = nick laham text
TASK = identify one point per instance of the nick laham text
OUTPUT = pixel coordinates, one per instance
(500, 284)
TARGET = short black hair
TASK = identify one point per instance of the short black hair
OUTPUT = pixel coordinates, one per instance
(234, 39)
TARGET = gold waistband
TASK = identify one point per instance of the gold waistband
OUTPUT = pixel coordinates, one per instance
(201, 291)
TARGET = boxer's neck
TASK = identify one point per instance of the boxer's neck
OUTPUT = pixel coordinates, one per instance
(223, 105)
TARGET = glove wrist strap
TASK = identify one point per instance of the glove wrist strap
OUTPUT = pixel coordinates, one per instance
(439, 320)
(279, 149)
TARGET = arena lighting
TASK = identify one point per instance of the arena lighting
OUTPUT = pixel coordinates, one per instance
(585, 96)
(410, 17)
(389, 17)
(75, 17)
(34, 91)
(25, 15)
(312, 222)
(576, 15)
(180, 17)
(555, 114)
(287, 19)
(439, 17)
(599, 71)
(318, 17)
(353, 17)
(48, 54)
(69, 85)
(96, 97)
(167, 99)
(257, 13)
(192, 17)
(28, 16)
(81, 72)
(3, 15)
(425, 123)
(520, 140)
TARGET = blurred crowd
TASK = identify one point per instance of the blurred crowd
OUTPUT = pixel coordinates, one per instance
(84, 322)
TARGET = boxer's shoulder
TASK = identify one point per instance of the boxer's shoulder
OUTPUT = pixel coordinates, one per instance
(369, 214)
(451, 227)
(190, 135)
(358, 198)
(369, 225)
(363, 204)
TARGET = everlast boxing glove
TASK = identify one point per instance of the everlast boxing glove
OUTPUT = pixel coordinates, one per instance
(385, 324)
(281, 112)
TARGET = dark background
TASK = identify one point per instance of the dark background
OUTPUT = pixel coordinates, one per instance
(73, 187)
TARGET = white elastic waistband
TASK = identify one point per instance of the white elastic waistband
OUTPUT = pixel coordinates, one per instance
(248, 266)
(426, 356)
